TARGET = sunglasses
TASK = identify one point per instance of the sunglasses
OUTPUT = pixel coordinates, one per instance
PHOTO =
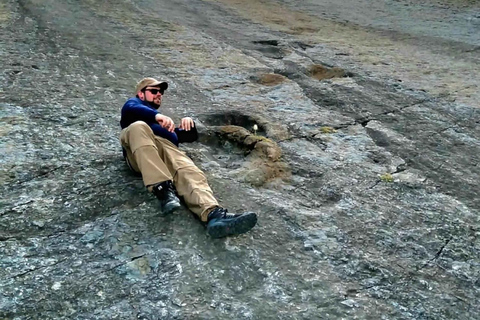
(155, 91)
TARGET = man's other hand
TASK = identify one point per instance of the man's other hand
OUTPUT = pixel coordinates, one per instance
(187, 124)
(165, 122)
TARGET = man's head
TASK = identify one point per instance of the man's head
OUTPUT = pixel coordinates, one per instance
(151, 90)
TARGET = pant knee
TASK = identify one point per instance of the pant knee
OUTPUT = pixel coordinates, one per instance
(137, 135)
(139, 126)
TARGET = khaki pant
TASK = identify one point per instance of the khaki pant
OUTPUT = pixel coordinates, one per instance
(158, 160)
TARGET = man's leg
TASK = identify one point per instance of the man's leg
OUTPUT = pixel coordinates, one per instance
(143, 156)
(193, 187)
(139, 141)
(191, 184)
(189, 180)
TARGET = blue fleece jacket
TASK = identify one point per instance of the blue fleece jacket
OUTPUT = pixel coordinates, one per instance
(136, 109)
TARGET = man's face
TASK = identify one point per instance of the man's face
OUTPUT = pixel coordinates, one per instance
(153, 94)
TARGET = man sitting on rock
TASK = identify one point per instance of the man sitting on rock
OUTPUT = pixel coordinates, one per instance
(150, 147)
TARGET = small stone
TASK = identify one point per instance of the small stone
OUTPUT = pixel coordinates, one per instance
(349, 303)
(56, 286)
(38, 223)
(308, 246)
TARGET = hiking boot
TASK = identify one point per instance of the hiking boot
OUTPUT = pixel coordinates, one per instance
(165, 192)
(222, 224)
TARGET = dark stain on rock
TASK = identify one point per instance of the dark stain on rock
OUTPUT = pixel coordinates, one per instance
(301, 45)
(267, 42)
(234, 118)
(270, 79)
(270, 48)
(233, 133)
(263, 157)
(321, 72)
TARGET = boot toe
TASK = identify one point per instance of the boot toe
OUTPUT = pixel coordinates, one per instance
(170, 207)
(219, 228)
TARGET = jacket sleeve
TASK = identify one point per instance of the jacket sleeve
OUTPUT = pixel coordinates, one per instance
(160, 131)
(135, 111)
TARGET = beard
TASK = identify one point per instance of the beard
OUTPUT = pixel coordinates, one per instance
(154, 105)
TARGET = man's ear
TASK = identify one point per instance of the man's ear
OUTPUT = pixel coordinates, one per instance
(141, 95)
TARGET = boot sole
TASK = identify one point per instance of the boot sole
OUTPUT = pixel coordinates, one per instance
(237, 226)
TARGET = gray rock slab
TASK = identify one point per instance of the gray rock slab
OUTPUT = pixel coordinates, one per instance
(378, 219)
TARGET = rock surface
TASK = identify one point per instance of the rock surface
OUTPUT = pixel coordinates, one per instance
(364, 170)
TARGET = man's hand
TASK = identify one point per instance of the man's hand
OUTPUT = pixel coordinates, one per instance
(165, 122)
(187, 124)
